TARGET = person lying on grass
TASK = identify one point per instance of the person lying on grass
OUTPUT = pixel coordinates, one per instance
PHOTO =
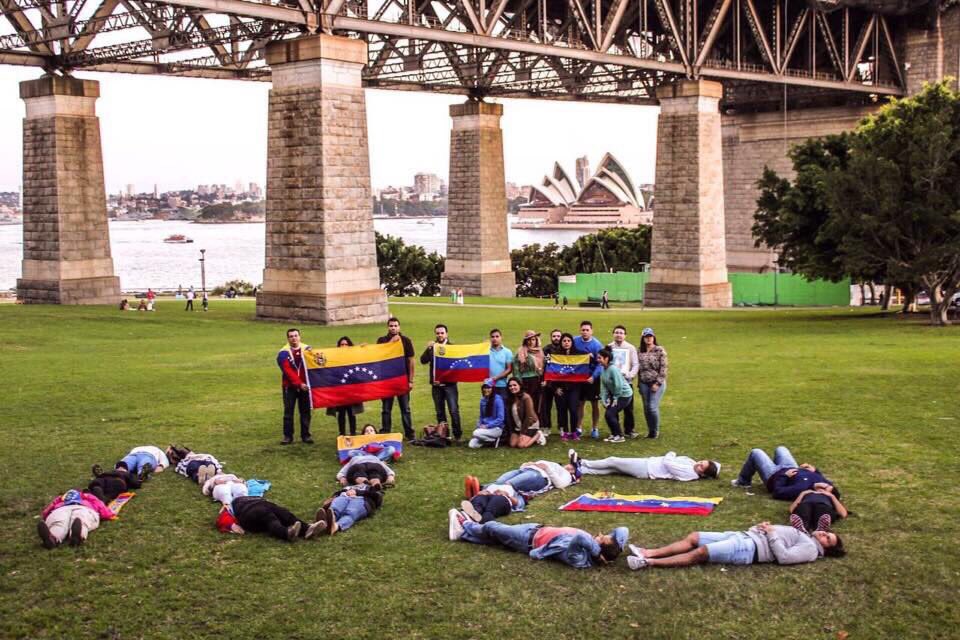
(142, 461)
(574, 547)
(818, 508)
(258, 515)
(534, 477)
(71, 516)
(762, 543)
(783, 477)
(349, 505)
(666, 467)
(494, 501)
(107, 485)
(199, 467)
(225, 488)
(383, 452)
(368, 468)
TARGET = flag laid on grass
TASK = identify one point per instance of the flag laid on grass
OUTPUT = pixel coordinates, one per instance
(117, 503)
(342, 376)
(369, 444)
(461, 362)
(681, 506)
(561, 368)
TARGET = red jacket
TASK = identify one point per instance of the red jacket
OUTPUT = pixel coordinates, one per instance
(292, 367)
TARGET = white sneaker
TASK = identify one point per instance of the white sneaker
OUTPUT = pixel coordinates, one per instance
(456, 524)
(736, 483)
(636, 563)
(573, 456)
(543, 440)
(635, 550)
(470, 511)
(616, 439)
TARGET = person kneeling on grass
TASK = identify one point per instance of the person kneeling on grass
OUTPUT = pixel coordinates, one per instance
(258, 515)
(73, 515)
(764, 542)
(367, 468)
(107, 485)
(616, 395)
(225, 488)
(349, 505)
(382, 451)
(495, 501)
(142, 461)
(491, 421)
(199, 467)
(574, 547)
(667, 467)
(531, 477)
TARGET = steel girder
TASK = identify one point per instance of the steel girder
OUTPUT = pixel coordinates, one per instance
(607, 50)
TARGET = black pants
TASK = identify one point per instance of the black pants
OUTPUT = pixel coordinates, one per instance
(568, 403)
(189, 306)
(547, 398)
(109, 484)
(386, 415)
(296, 397)
(444, 397)
(811, 513)
(262, 516)
(613, 416)
(368, 470)
(344, 415)
(491, 507)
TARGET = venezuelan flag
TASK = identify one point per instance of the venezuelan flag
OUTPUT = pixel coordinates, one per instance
(346, 444)
(616, 503)
(349, 375)
(461, 362)
(573, 368)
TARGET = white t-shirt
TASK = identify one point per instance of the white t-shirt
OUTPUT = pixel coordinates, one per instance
(671, 467)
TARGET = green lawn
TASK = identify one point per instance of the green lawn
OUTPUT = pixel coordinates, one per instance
(869, 398)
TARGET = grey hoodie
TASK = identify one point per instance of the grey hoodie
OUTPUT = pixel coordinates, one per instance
(785, 545)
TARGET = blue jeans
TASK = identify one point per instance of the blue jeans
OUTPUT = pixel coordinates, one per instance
(728, 547)
(567, 405)
(384, 455)
(348, 510)
(446, 397)
(386, 415)
(759, 462)
(512, 536)
(651, 406)
(523, 480)
(135, 461)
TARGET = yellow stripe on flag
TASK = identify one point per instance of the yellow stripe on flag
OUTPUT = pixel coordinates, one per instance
(345, 356)
(461, 350)
(558, 358)
(620, 496)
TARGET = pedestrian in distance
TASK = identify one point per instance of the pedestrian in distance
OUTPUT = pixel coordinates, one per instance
(296, 392)
(565, 303)
(386, 407)
(556, 299)
(445, 395)
(191, 294)
(205, 303)
(653, 379)
(605, 300)
(346, 413)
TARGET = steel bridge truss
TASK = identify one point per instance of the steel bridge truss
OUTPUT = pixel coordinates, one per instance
(604, 50)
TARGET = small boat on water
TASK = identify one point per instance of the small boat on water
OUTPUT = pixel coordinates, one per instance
(178, 238)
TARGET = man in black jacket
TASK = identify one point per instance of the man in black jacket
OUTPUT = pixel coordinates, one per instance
(445, 395)
(548, 395)
(386, 406)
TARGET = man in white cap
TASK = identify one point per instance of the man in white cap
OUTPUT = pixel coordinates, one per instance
(571, 546)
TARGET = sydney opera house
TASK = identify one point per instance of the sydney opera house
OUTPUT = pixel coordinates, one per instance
(606, 199)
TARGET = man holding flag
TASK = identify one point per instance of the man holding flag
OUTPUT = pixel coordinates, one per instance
(445, 395)
(296, 393)
(386, 417)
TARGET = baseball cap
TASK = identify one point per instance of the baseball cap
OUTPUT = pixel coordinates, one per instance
(648, 331)
(620, 535)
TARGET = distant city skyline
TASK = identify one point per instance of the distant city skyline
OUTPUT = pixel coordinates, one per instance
(181, 132)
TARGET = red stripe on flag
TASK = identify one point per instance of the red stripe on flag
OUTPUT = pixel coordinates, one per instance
(348, 394)
(559, 377)
(626, 508)
(462, 375)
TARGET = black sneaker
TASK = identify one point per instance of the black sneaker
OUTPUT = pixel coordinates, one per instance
(287, 441)
(46, 538)
(308, 440)
(653, 436)
(76, 533)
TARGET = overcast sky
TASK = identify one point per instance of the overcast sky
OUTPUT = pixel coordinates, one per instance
(180, 132)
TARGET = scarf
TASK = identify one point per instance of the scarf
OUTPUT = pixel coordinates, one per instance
(523, 354)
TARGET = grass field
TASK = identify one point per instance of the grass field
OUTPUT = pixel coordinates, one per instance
(870, 399)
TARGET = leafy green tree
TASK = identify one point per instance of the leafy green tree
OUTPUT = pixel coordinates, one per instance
(608, 250)
(536, 268)
(407, 270)
(898, 198)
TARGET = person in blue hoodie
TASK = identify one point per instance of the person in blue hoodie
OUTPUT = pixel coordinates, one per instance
(574, 547)
(783, 477)
(490, 424)
(589, 391)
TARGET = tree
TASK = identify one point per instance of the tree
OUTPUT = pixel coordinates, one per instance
(898, 198)
(608, 250)
(536, 269)
(407, 270)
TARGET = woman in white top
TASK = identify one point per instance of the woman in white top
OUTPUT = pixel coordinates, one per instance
(667, 467)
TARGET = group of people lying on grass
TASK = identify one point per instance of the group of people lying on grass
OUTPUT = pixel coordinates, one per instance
(73, 515)
(815, 506)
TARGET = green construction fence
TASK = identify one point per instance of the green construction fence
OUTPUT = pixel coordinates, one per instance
(783, 289)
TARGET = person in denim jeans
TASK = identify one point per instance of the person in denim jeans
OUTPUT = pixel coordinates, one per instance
(523, 480)
(759, 462)
(783, 477)
(652, 378)
(445, 395)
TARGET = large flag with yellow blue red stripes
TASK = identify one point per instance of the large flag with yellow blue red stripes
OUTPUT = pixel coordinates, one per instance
(342, 376)
(461, 362)
(683, 505)
(572, 368)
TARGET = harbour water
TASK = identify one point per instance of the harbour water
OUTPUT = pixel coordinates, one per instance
(234, 251)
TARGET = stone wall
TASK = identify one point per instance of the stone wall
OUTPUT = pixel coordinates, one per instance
(478, 254)
(321, 261)
(932, 54)
(66, 237)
